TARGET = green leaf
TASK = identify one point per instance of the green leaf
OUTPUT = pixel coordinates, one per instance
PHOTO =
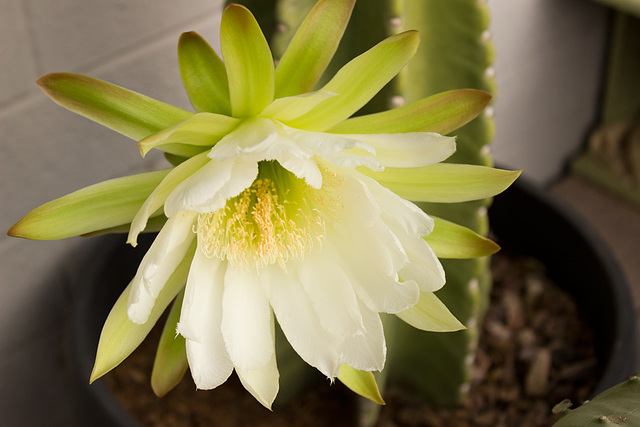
(120, 336)
(127, 112)
(359, 80)
(360, 382)
(450, 240)
(248, 62)
(440, 113)
(444, 182)
(170, 363)
(104, 205)
(312, 47)
(202, 130)
(430, 314)
(203, 75)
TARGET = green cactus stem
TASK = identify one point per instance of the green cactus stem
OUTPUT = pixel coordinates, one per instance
(618, 405)
(455, 52)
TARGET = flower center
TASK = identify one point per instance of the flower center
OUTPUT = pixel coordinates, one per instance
(277, 219)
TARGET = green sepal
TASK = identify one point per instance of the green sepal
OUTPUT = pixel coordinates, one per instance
(444, 182)
(154, 224)
(451, 240)
(360, 382)
(199, 132)
(359, 80)
(159, 195)
(312, 47)
(127, 112)
(170, 363)
(248, 62)
(430, 314)
(441, 113)
(174, 159)
(203, 75)
(292, 107)
(97, 207)
(120, 336)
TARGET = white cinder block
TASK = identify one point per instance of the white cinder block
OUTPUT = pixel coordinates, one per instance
(158, 75)
(47, 152)
(78, 34)
(17, 63)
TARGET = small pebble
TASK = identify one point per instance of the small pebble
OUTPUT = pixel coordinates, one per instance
(537, 380)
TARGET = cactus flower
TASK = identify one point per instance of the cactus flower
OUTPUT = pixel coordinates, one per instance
(279, 206)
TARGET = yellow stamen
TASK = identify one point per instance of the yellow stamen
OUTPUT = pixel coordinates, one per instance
(265, 225)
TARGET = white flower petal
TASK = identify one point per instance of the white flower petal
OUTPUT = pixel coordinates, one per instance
(369, 252)
(330, 293)
(204, 274)
(378, 291)
(159, 195)
(366, 352)
(423, 267)
(164, 255)
(246, 320)
(262, 383)
(252, 136)
(397, 212)
(331, 147)
(279, 146)
(352, 161)
(208, 189)
(373, 277)
(201, 317)
(209, 362)
(139, 221)
(359, 209)
(295, 158)
(373, 244)
(409, 223)
(408, 150)
(322, 143)
(303, 168)
(299, 323)
(286, 145)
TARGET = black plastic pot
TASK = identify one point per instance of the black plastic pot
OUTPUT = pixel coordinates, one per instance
(529, 221)
(525, 220)
(110, 265)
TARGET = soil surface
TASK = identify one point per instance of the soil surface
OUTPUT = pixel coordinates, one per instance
(533, 353)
